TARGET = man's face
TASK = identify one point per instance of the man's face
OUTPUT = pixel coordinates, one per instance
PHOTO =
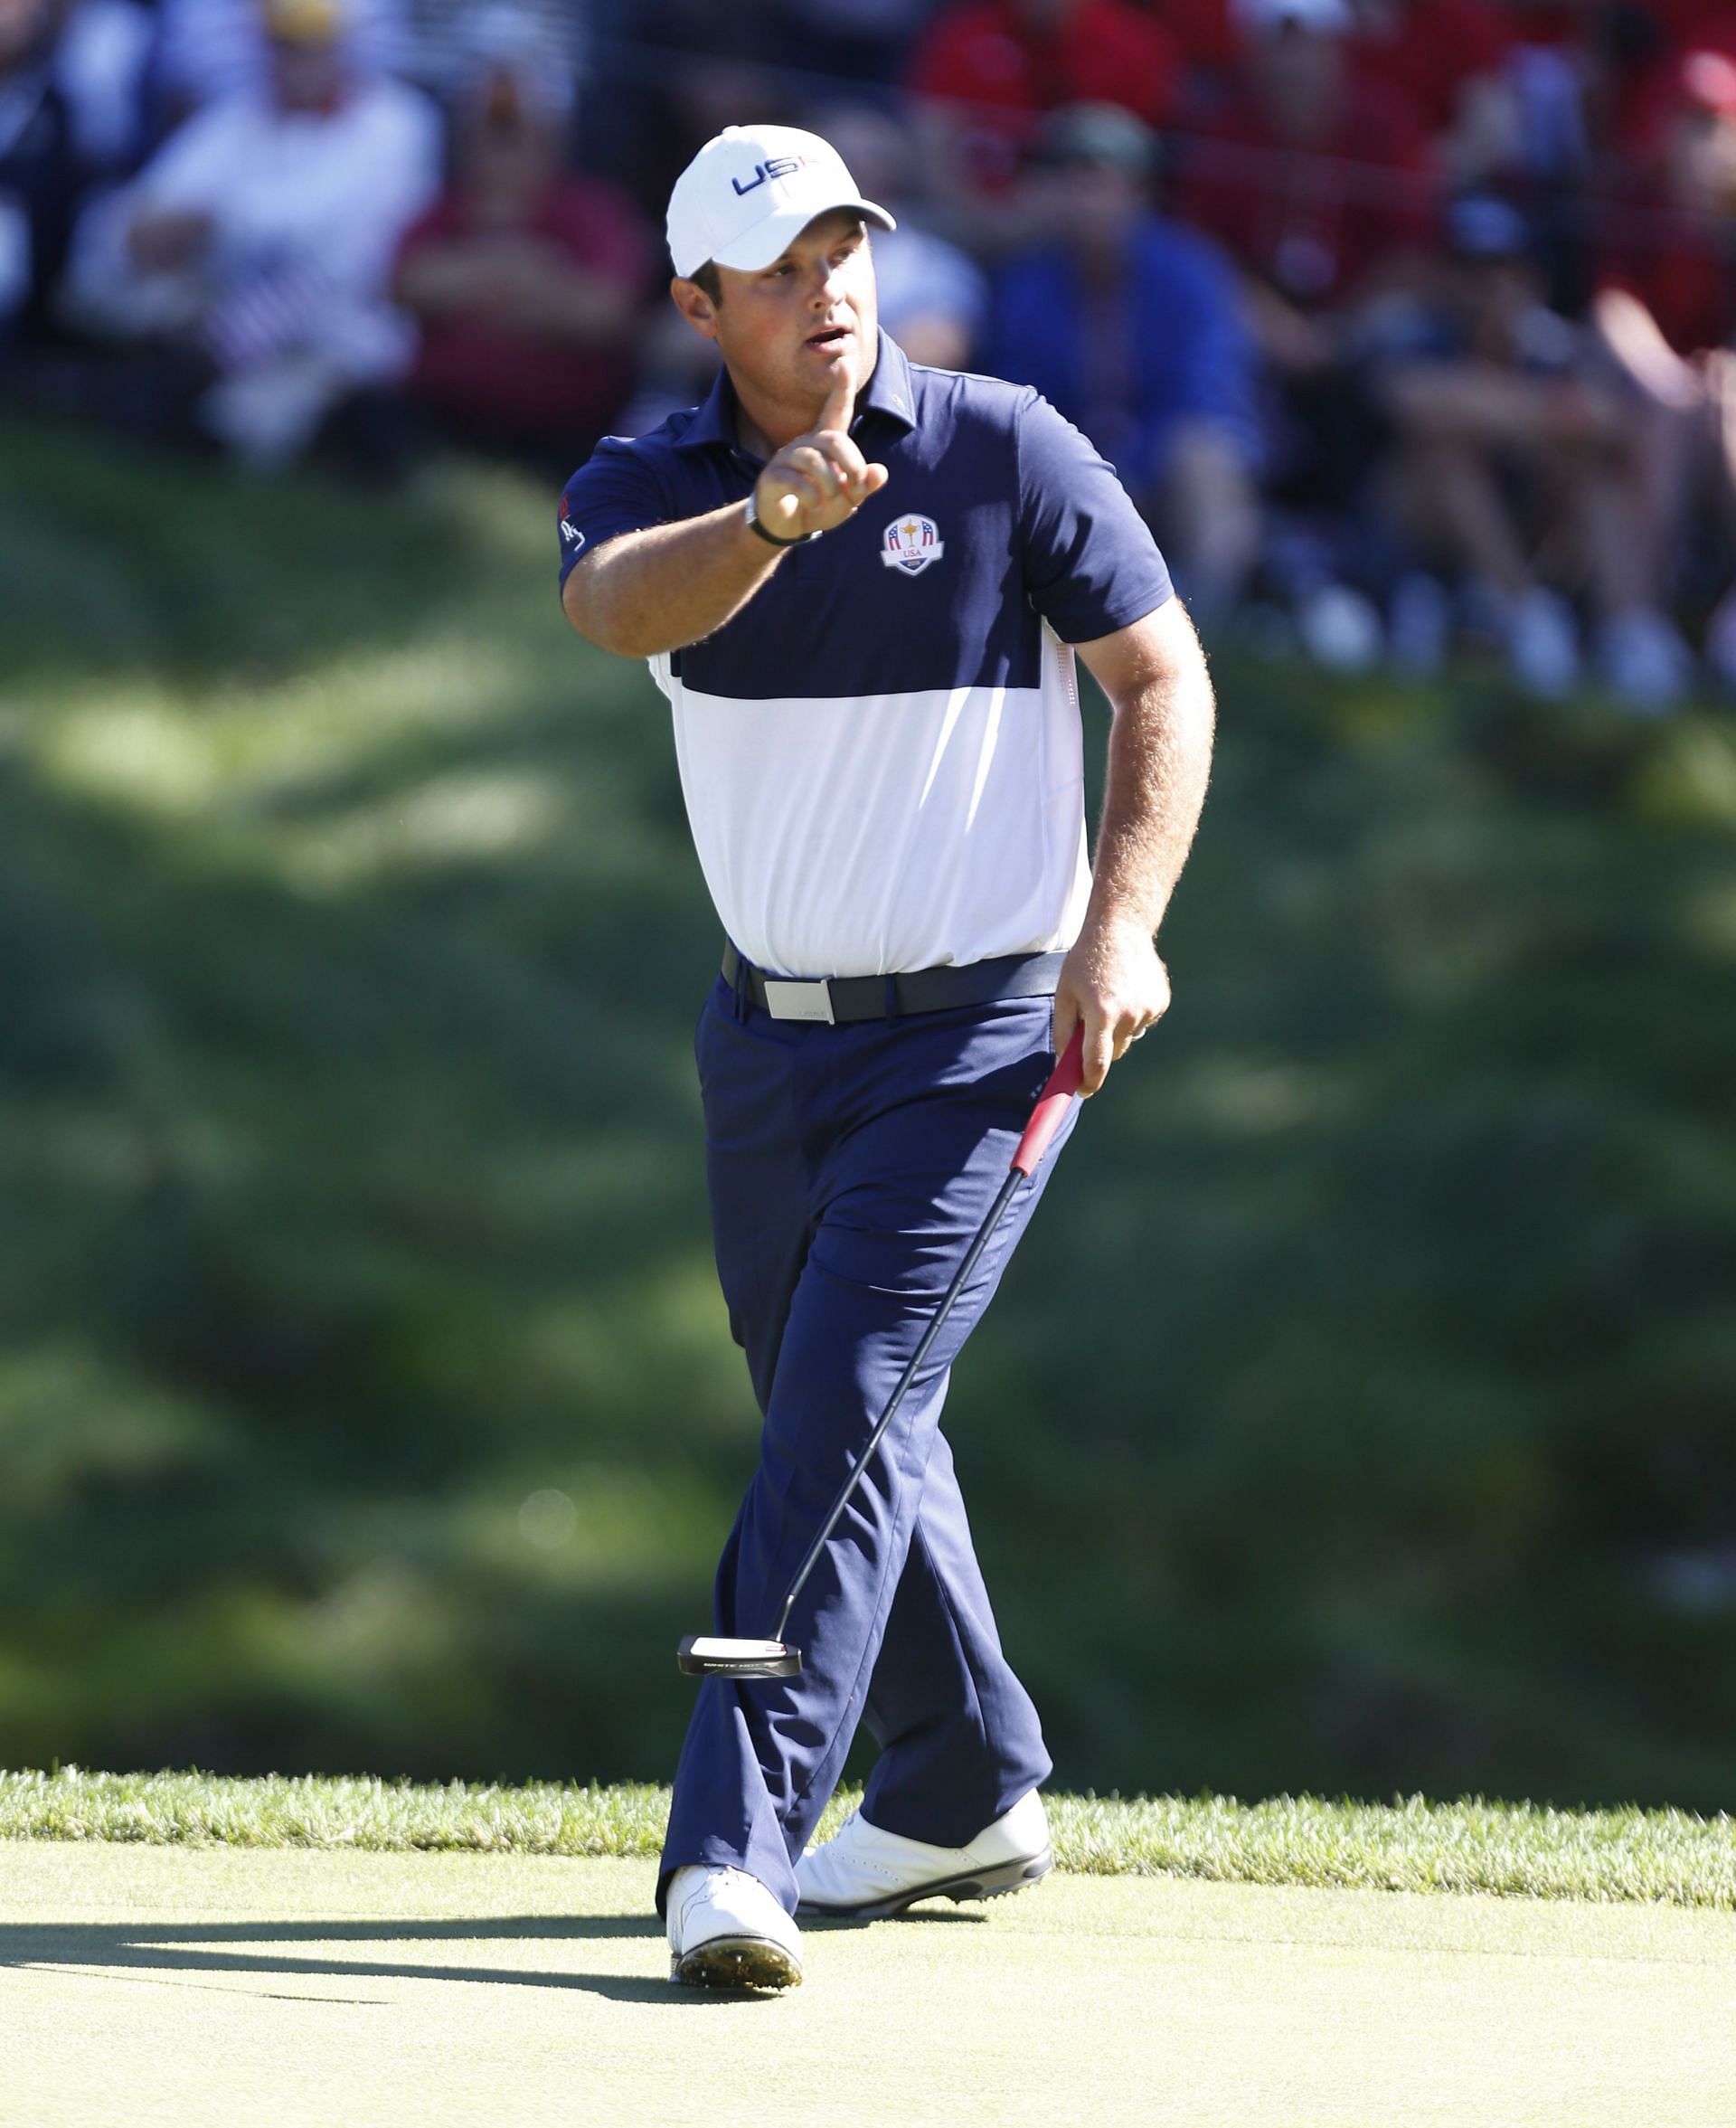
(1098, 202)
(1299, 75)
(784, 330)
(504, 148)
(305, 76)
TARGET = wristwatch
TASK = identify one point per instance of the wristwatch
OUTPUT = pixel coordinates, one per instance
(771, 538)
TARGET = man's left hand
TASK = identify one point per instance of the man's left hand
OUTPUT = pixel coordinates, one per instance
(1113, 982)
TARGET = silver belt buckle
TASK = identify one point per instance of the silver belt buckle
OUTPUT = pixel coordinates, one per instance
(786, 1000)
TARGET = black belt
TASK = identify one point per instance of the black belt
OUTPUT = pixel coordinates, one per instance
(838, 997)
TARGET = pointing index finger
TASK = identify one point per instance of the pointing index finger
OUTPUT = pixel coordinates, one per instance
(841, 392)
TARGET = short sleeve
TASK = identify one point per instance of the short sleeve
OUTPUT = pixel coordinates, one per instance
(614, 491)
(1091, 565)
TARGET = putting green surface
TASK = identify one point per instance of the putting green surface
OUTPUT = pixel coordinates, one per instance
(147, 1985)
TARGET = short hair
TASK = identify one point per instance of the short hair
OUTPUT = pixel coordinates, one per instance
(706, 277)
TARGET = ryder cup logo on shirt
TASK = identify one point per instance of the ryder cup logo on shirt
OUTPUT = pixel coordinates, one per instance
(911, 543)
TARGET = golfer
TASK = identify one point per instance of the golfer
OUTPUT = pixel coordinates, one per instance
(861, 585)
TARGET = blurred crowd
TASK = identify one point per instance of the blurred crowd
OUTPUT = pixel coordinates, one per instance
(1411, 324)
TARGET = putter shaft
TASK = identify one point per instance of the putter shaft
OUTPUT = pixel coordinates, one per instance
(1002, 1199)
(699, 1654)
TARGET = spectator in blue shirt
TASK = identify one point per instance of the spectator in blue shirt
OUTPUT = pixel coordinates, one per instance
(37, 173)
(1128, 324)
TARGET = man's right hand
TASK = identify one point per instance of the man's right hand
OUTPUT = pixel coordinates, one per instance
(821, 479)
(642, 593)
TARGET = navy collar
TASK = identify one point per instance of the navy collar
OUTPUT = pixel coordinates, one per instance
(889, 393)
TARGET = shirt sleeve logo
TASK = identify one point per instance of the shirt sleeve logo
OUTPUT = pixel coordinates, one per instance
(911, 543)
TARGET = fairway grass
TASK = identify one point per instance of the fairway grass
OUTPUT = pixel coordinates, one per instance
(1663, 1856)
(273, 1988)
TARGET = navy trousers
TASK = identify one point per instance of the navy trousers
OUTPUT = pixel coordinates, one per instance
(848, 1168)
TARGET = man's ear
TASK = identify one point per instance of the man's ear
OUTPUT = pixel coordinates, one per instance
(696, 305)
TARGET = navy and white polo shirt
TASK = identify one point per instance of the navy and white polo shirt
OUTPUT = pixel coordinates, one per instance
(881, 754)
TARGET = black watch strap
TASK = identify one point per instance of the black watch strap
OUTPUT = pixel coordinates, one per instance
(771, 538)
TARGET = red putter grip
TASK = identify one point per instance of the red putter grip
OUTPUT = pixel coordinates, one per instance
(1052, 1104)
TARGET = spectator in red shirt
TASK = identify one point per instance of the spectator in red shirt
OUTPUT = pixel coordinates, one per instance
(1670, 244)
(1666, 309)
(1447, 58)
(987, 71)
(527, 280)
(1312, 177)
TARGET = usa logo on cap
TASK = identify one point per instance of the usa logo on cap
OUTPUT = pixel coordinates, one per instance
(911, 543)
(752, 190)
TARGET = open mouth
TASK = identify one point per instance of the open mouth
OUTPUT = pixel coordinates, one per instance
(828, 336)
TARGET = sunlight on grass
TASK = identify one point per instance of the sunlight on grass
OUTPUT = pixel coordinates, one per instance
(70, 1420)
(1690, 780)
(570, 1526)
(148, 755)
(474, 818)
(1412, 1845)
(172, 747)
(1241, 1097)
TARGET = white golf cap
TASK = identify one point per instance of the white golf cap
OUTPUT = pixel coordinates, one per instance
(746, 195)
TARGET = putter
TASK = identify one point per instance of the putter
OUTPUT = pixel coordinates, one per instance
(709, 1655)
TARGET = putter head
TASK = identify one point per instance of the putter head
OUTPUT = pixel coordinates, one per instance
(705, 1655)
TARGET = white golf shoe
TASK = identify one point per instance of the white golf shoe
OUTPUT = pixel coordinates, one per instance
(727, 1931)
(865, 1874)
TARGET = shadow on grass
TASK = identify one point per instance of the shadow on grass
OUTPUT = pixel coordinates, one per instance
(140, 1951)
(145, 1951)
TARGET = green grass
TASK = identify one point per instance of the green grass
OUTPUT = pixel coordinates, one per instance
(1415, 1846)
(1355, 1419)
